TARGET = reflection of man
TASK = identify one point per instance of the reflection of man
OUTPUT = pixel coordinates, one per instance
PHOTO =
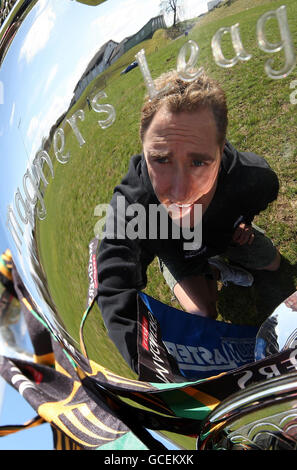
(186, 161)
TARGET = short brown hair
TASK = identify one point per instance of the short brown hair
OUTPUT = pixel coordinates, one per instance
(187, 96)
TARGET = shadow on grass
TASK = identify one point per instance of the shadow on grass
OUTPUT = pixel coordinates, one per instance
(252, 305)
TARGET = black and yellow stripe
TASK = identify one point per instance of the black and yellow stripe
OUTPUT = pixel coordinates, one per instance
(6, 264)
(62, 442)
(11, 429)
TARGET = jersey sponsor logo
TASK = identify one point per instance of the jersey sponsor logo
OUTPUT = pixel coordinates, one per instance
(145, 334)
(268, 371)
(92, 271)
(232, 353)
(161, 371)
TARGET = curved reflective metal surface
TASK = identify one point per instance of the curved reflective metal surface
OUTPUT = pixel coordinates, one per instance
(55, 112)
(66, 100)
(262, 417)
(279, 331)
(13, 338)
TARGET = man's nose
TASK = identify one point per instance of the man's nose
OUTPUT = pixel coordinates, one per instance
(180, 187)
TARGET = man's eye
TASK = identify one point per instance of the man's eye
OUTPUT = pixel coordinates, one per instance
(197, 163)
(161, 160)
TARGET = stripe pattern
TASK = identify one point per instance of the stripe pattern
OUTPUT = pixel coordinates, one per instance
(85, 402)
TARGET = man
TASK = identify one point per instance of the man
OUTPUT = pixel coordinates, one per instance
(186, 163)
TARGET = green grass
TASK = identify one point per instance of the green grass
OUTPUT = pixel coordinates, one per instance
(261, 120)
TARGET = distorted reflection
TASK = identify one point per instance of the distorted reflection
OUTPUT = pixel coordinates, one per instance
(73, 77)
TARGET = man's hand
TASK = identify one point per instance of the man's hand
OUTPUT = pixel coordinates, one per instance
(243, 234)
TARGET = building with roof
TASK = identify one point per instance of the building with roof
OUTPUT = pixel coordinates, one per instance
(212, 4)
(111, 51)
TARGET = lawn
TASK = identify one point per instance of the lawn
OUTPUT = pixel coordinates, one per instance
(262, 120)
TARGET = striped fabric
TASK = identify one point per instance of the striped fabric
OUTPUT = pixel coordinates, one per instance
(85, 403)
(6, 264)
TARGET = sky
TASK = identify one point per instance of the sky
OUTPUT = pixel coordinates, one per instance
(24, 122)
(15, 410)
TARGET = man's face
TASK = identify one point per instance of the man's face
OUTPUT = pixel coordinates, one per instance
(183, 156)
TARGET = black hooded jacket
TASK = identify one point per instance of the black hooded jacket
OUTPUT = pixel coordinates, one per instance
(246, 185)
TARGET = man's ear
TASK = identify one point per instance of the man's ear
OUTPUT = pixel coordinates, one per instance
(222, 147)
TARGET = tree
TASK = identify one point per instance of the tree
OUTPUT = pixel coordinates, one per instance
(171, 6)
